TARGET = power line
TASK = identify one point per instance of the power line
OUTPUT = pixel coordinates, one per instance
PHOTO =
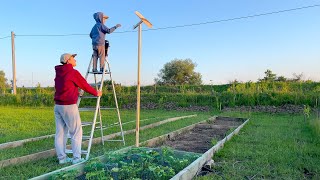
(53, 35)
(61, 35)
(236, 18)
(5, 37)
(188, 25)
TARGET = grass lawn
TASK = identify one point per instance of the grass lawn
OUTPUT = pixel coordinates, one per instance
(18, 123)
(271, 147)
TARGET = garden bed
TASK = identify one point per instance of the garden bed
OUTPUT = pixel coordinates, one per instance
(203, 136)
(160, 163)
(137, 163)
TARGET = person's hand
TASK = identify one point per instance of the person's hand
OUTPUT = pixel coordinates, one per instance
(99, 93)
(118, 25)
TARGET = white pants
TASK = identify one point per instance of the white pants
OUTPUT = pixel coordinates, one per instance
(67, 119)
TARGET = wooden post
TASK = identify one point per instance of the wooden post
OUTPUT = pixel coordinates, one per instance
(138, 87)
(139, 24)
(14, 85)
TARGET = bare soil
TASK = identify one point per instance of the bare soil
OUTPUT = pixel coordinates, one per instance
(199, 139)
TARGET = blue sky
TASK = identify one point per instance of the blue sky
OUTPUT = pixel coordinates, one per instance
(243, 49)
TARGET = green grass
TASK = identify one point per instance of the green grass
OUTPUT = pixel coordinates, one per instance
(271, 147)
(18, 123)
(35, 168)
(147, 117)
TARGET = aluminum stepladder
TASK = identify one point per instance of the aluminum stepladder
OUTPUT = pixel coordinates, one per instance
(97, 109)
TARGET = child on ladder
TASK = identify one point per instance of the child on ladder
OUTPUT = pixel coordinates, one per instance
(97, 34)
(67, 117)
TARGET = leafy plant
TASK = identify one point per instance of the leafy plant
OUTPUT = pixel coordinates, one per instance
(143, 163)
(306, 111)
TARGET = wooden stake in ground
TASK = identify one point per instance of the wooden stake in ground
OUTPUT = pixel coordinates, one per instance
(139, 24)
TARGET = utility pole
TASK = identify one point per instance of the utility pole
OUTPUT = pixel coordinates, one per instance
(14, 81)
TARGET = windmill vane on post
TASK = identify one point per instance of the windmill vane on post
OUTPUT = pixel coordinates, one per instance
(139, 24)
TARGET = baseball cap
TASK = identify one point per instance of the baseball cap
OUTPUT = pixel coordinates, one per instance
(65, 57)
(105, 17)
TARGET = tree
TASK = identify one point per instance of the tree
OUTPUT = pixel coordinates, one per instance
(269, 76)
(179, 72)
(3, 82)
(281, 79)
(297, 77)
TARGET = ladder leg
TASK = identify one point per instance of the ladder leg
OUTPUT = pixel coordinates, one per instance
(86, 77)
(101, 128)
(116, 102)
(93, 127)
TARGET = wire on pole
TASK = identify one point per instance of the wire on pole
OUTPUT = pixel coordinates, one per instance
(180, 26)
(235, 18)
(5, 37)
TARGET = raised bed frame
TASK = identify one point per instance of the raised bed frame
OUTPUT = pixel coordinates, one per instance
(187, 173)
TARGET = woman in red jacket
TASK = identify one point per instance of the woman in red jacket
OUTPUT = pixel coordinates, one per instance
(67, 117)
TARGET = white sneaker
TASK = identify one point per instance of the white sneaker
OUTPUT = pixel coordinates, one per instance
(77, 160)
(65, 160)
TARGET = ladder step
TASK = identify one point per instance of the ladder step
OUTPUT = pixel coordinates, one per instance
(115, 140)
(88, 97)
(98, 127)
(99, 72)
(69, 151)
(85, 137)
(87, 109)
(93, 109)
(88, 123)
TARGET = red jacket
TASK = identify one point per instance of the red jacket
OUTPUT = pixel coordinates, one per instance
(66, 85)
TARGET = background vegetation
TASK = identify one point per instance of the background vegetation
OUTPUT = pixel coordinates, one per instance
(268, 91)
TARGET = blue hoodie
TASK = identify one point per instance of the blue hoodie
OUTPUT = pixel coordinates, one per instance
(99, 30)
